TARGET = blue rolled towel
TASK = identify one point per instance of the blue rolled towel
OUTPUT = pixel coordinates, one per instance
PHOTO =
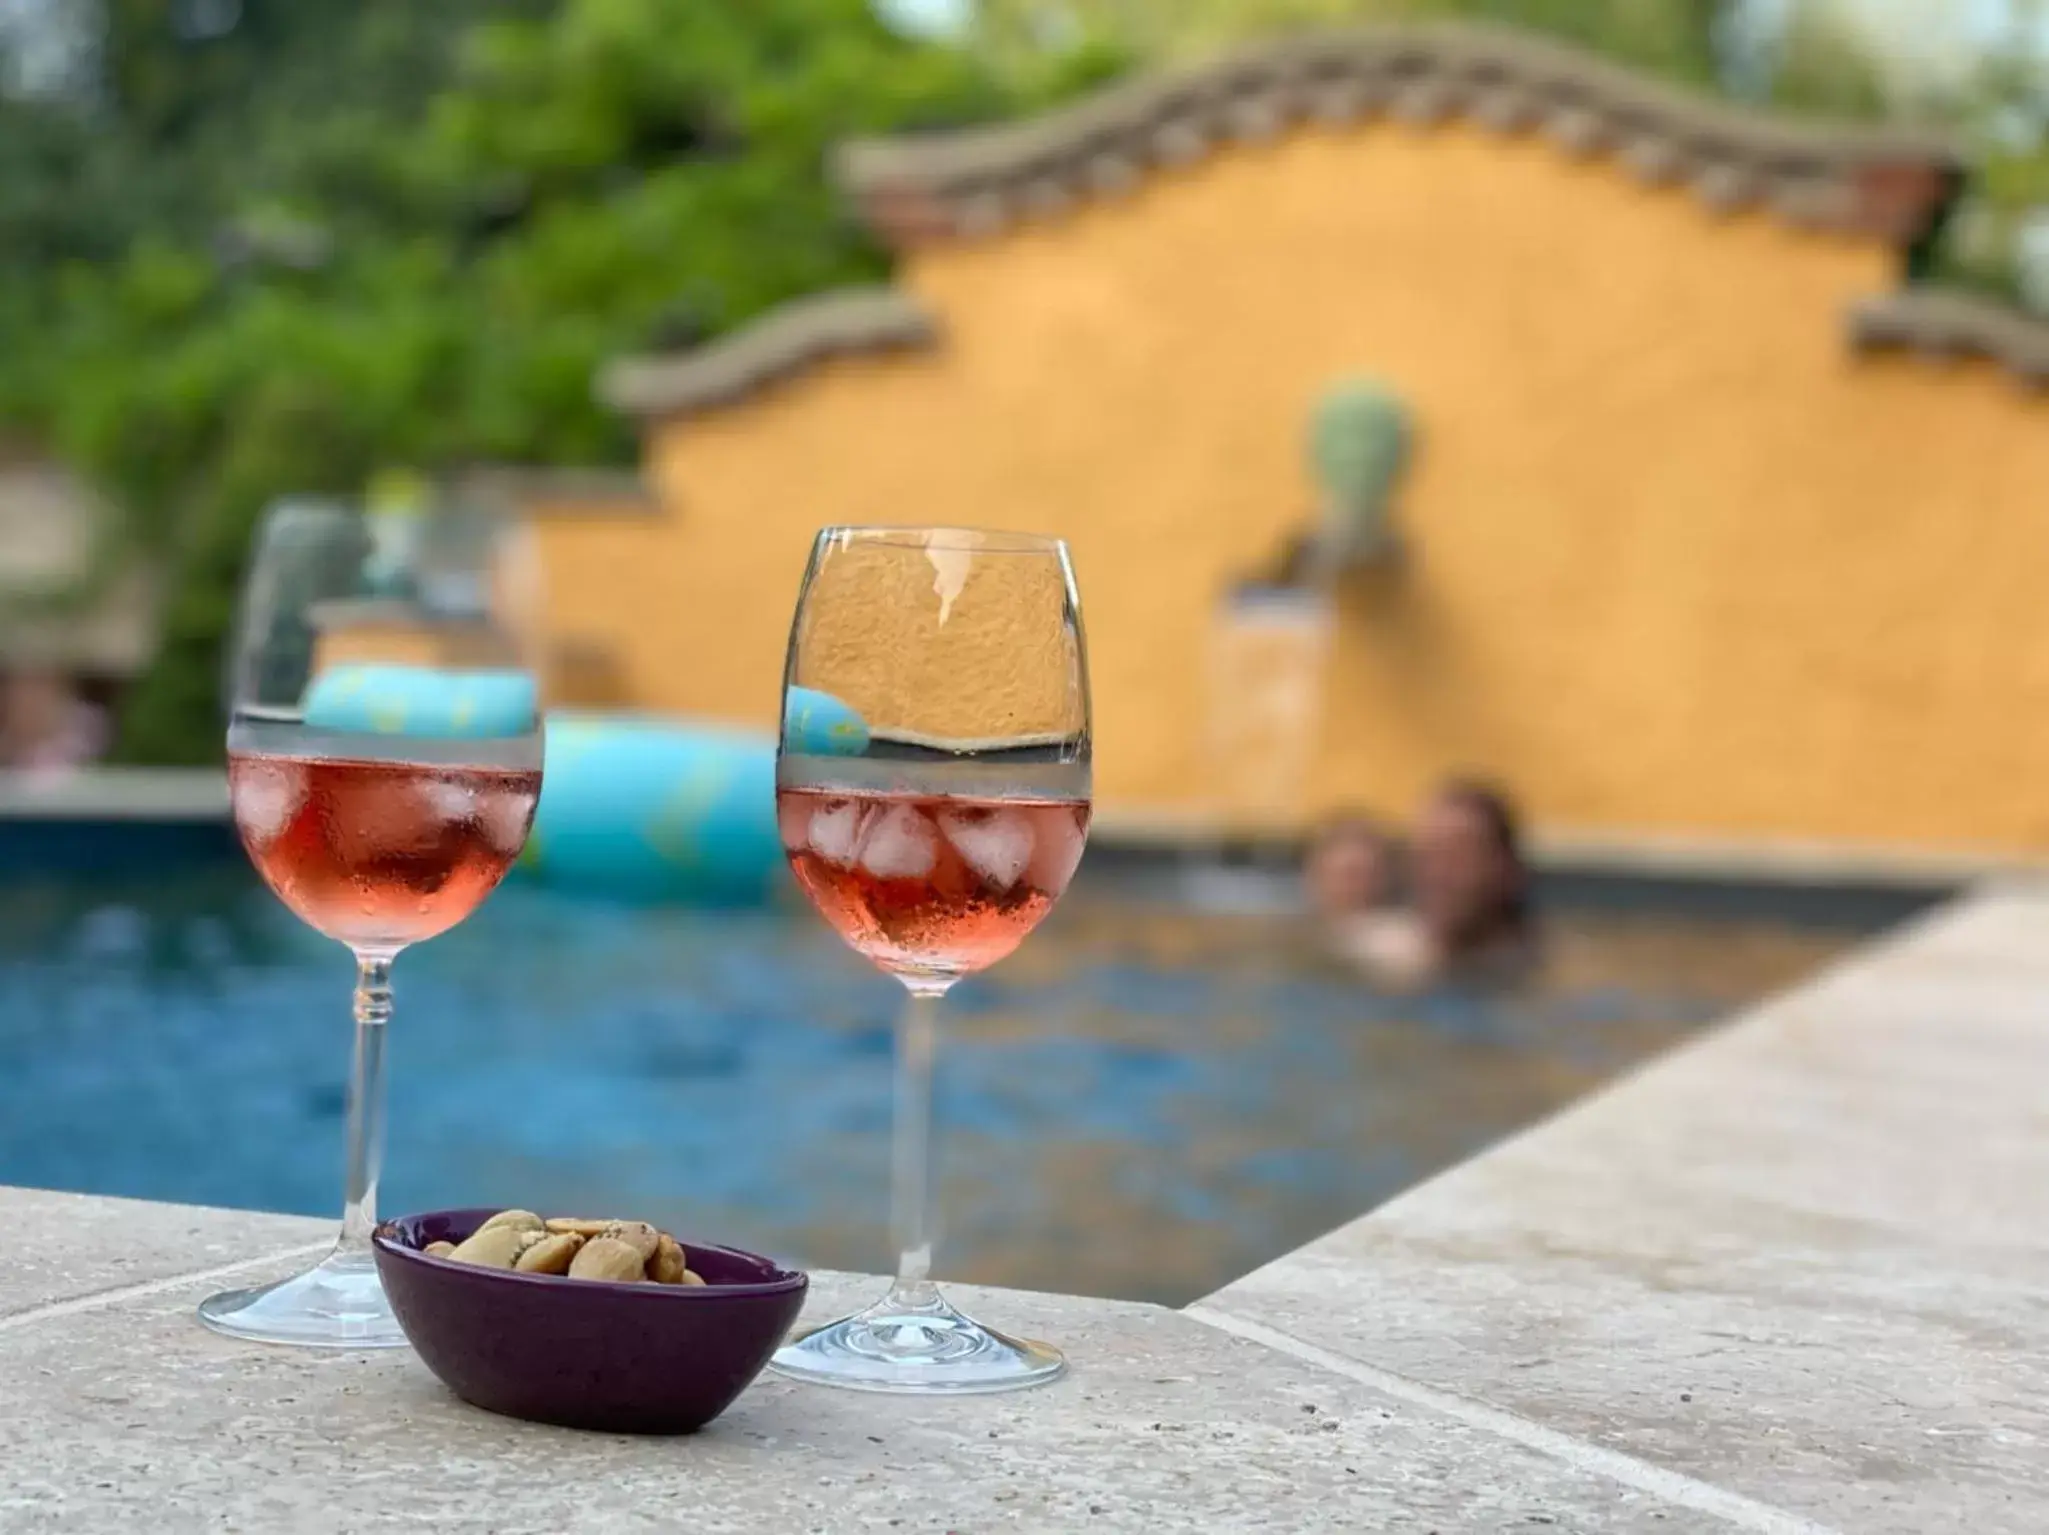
(382, 699)
(821, 726)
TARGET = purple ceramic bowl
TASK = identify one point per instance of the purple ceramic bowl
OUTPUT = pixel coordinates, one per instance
(585, 1353)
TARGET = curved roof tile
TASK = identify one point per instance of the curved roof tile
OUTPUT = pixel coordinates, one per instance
(785, 341)
(1880, 181)
(524, 487)
(1946, 324)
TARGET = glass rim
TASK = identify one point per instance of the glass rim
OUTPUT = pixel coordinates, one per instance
(946, 537)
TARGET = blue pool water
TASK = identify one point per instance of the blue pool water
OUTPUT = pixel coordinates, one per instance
(1146, 1101)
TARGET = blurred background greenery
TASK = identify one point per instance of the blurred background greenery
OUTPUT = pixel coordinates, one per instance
(251, 248)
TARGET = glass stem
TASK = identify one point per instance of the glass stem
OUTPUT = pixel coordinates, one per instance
(911, 1180)
(366, 1104)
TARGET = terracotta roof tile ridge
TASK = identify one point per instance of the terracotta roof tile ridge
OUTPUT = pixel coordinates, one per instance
(786, 340)
(1946, 323)
(514, 486)
(1883, 180)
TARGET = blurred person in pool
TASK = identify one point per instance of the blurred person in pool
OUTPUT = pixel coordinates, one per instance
(1352, 867)
(1470, 885)
(1354, 875)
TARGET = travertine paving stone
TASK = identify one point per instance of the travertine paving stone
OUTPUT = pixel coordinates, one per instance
(132, 1415)
(1806, 1258)
(61, 1247)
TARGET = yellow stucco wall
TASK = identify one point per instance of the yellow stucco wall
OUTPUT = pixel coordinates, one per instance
(394, 642)
(607, 627)
(1678, 559)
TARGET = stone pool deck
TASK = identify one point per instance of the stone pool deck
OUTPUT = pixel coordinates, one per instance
(1792, 1278)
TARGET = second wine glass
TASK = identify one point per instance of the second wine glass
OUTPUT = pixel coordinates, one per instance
(933, 793)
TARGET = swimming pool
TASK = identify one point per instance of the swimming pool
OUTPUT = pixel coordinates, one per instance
(1147, 1100)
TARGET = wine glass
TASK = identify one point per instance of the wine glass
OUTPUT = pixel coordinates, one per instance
(384, 759)
(932, 790)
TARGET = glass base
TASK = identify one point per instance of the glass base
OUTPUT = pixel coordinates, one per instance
(917, 1348)
(338, 1303)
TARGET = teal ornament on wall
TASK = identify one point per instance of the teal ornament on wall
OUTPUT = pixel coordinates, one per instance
(1360, 440)
(396, 519)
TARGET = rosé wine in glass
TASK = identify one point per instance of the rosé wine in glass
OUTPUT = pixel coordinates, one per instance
(379, 854)
(930, 884)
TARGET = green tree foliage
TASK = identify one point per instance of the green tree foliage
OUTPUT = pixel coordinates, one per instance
(349, 233)
(2004, 107)
(1672, 37)
(1824, 69)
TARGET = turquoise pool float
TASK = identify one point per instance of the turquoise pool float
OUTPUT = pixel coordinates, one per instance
(421, 701)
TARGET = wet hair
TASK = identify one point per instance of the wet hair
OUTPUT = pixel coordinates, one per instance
(1493, 809)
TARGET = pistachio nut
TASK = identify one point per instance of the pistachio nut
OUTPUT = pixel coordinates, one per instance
(550, 1254)
(667, 1266)
(494, 1247)
(608, 1258)
(638, 1235)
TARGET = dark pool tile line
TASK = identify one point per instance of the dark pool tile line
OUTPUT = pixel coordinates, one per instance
(1852, 907)
(1461, 1011)
(40, 848)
